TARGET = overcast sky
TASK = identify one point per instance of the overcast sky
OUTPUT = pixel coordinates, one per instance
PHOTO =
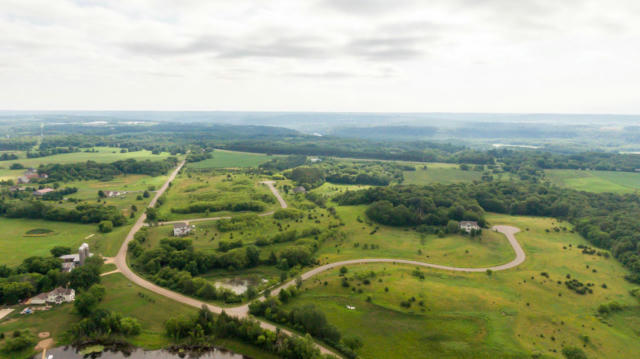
(575, 56)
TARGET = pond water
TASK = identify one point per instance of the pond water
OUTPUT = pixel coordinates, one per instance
(238, 285)
(71, 353)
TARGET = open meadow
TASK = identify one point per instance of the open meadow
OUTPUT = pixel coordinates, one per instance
(231, 159)
(509, 314)
(595, 181)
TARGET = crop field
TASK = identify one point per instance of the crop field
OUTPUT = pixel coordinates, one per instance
(595, 181)
(508, 314)
(214, 188)
(231, 159)
(103, 154)
(151, 309)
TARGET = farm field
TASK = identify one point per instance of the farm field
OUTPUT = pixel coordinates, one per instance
(595, 181)
(231, 159)
(509, 314)
(151, 309)
(103, 154)
(16, 244)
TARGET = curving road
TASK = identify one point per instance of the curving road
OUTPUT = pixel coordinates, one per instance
(243, 311)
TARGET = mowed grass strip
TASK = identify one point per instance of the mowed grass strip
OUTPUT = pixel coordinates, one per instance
(596, 181)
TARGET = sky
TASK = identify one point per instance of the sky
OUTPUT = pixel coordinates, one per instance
(507, 56)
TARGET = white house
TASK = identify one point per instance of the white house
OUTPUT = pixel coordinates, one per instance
(58, 296)
(468, 226)
(181, 229)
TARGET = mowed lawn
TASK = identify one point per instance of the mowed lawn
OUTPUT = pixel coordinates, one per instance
(103, 154)
(16, 245)
(596, 181)
(231, 159)
(509, 314)
(439, 173)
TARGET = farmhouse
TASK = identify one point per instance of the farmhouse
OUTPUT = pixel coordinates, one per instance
(42, 192)
(71, 261)
(58, 296)
(299, 189)
(111, 194)
(23, 180)
(181, 229)
(468, 226)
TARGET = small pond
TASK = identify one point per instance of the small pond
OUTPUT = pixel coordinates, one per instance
(72, 353)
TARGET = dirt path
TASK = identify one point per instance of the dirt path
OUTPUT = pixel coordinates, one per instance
(243, 311)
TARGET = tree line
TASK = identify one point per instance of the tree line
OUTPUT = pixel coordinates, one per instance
(91, 170)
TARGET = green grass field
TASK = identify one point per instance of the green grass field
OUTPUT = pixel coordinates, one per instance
(510, 314)
(231, 159)
(104, 154)
(596, 181)
(439, 173)
(17, 246)
(393, 242)
(234, 188)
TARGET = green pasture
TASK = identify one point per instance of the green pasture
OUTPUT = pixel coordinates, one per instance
(231, 159)
(439, 173)
(405, 243)
(515, 313)
(15, 246)
(595, 181)
(210, 187)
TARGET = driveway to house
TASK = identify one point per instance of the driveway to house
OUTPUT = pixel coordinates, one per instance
(243, 311)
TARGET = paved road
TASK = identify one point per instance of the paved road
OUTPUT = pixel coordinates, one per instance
(243, 311)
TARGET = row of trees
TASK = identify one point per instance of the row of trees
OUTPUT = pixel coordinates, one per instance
(82, 213)
(91, 170)
(205, 326)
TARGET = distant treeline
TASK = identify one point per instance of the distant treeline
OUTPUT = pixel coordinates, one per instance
(8, 157)
(91, 170)
(606, 220)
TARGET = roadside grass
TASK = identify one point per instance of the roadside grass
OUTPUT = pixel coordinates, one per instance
(231, 159)
(214, 187)
(405, 243)
(15, 245)
(595, 181)
(124, 297)
(510, 314)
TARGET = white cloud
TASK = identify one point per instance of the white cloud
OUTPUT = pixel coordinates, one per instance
(326, 55)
